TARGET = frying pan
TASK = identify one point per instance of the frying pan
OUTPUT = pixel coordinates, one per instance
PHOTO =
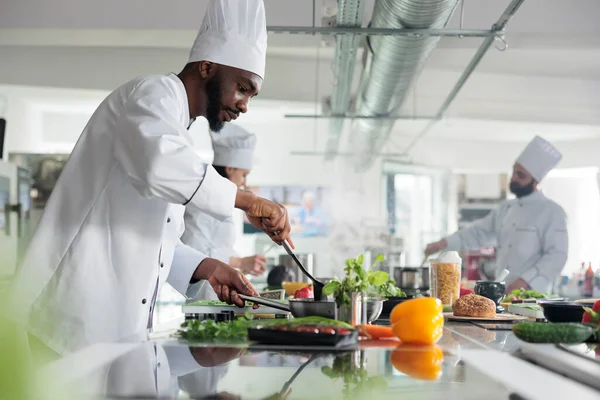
(298, 307)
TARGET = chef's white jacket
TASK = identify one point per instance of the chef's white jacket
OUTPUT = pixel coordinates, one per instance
(110, 231)
(530, 236)
(212, 237)
(149, 371)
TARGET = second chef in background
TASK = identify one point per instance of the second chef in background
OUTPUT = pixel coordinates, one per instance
(233, 158)
(530, 232)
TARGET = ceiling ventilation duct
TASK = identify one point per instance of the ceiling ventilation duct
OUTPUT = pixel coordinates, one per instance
(350, 14)
(396, 62)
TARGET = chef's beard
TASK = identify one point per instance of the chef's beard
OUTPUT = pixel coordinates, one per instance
(522, 191)
(214, 106)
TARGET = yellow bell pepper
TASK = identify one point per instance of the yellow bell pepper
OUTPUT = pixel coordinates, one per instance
(418, 321)
(420, 362)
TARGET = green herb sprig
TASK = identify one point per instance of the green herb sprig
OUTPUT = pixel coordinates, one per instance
(358, 279)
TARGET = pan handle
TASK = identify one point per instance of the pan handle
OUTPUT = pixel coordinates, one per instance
(265, 302)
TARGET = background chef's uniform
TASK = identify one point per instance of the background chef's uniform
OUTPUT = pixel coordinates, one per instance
(529, 233)
(110, 232)
(233, 147)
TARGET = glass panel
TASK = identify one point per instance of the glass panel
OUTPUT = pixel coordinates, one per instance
(419, 206)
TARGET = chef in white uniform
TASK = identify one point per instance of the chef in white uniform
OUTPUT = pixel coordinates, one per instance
(233, 159)
(529, 232)
(110, 231)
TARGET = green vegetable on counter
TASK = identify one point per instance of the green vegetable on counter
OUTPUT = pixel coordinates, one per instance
(527, 306)
(540, 332)
(211, 331)
(237, 330)
(523, 294)
(361, 280)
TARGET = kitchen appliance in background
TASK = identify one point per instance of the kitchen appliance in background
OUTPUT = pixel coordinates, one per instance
(15, 217)
(414, 281)
(307, 260)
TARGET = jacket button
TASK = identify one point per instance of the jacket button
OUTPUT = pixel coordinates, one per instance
(143, 301)
(168, 220)
(162, 265)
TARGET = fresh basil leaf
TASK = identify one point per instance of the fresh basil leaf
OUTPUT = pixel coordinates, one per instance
(379, 278)
(360, 260)
(331, 287)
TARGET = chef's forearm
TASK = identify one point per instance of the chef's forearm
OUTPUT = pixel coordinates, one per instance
(244, 199)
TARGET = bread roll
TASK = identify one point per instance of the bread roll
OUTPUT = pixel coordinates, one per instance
(473, 305)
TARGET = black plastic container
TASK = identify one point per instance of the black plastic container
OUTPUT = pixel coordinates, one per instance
(564, 311)
(268, 335)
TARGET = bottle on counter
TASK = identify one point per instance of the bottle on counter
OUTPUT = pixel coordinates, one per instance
(588, 282)
(581, 274)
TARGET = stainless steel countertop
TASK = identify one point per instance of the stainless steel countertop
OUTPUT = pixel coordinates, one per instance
(155, 364)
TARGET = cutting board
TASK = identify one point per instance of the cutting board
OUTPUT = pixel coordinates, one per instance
(504, 317)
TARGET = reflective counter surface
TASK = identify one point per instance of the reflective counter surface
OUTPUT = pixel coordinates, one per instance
(464, 365)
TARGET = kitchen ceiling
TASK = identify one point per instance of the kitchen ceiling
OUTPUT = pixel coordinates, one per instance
(550, 72)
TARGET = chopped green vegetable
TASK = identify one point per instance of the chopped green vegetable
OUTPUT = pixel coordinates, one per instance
(359, 280)
(314, 320)
(211, 331)
(237, 330)
(523, 294)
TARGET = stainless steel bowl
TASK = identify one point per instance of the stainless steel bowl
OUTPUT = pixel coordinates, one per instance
(374, 309)
(309, 307)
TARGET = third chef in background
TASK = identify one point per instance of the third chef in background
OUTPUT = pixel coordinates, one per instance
(233, 158)
(529, 232)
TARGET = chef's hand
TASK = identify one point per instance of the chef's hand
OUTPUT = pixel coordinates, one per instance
(226, 281)
(253, 265)
(213, 356)
(435, 247)
(268, 216)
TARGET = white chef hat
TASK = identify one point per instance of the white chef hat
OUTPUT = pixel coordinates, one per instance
(233, 33)
(539, 158)
(233, 147)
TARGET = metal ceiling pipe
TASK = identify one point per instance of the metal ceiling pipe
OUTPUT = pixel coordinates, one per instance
(395, 63)
(350, 14)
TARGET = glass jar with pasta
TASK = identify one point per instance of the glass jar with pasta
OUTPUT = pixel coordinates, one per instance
(445, 277)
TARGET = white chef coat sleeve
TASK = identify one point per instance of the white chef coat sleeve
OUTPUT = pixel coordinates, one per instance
(185, 261)
(482, 233)
(555, 248)
(202, 234)
(154, 149)
(180, 358)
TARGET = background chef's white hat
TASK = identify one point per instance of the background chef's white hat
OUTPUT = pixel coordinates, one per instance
(539, 158)
(233, 147)
(233, 33)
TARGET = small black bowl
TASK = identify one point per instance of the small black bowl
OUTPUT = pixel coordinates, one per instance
(491, 290)
(564, 311)
(389, 304)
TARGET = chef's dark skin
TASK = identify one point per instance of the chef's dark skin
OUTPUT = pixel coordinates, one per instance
(220, 93)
